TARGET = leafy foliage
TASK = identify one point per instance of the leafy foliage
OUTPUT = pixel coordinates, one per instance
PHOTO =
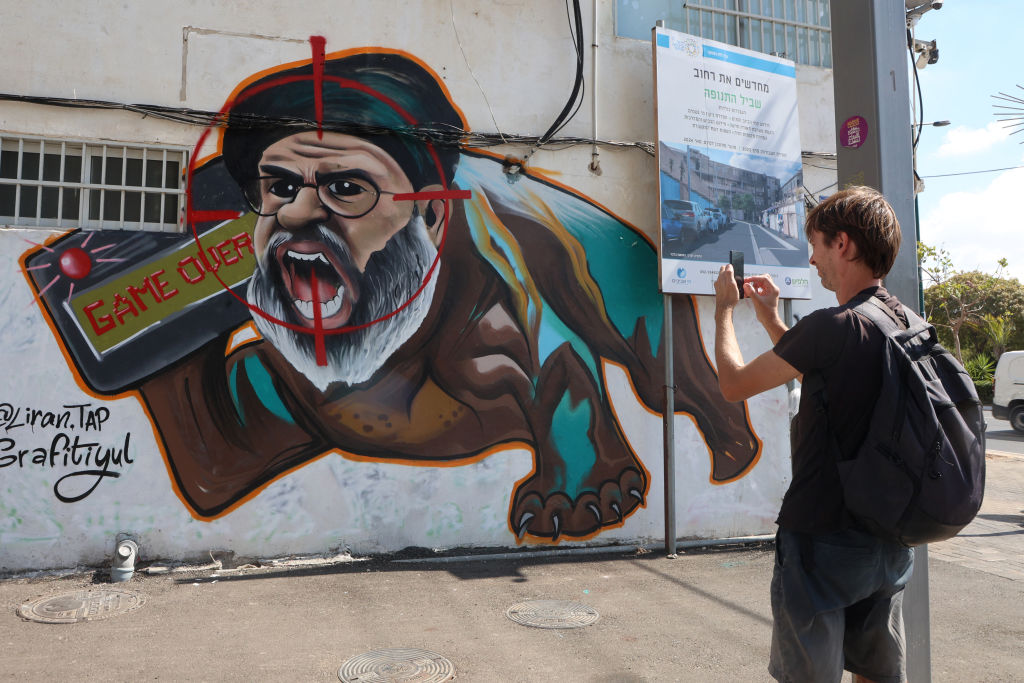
(982, 370)
(745, 203)
(974, 312)
(999, 329)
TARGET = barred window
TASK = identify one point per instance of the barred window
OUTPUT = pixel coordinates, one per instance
(77, 184)
(795, 29)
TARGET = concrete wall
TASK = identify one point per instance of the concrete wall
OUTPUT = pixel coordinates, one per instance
(508, 66)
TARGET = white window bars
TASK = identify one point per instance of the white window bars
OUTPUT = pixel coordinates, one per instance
(796, 29)
(73, 183)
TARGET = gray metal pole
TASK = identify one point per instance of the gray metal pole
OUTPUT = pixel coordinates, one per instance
(869, 54)
(668, 422)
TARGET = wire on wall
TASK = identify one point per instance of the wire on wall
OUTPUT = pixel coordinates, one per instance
(455, 30)
(575, 101)
(449, 136)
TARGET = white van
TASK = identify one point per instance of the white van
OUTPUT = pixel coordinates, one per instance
(1008, 389)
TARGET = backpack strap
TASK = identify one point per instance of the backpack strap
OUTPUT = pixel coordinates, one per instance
(881, 315)
(886, 320)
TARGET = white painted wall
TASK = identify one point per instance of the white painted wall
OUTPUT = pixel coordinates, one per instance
(509, 66)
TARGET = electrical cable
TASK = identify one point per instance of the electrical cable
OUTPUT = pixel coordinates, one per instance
(448, 136)
(988, 170)
(455, 30)
(441, 135)
(825, 188)
(920, 97)
(576, 33)
(576, 97)
(577, 40)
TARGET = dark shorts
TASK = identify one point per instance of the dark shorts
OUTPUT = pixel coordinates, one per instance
(837, 603)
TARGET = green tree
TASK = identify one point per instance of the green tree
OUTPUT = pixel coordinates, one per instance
(981, 368)
(745, 203)
(999, 329)
(955, 301)
(958, 303)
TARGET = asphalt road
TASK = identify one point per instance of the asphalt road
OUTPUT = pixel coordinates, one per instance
(759, 246)
(1000, 437)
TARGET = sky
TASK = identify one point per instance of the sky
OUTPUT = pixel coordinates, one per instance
(978, 217)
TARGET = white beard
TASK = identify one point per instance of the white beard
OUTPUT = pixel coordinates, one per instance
(391, 277)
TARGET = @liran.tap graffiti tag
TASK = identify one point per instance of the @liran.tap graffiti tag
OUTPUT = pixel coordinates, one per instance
(77, 450)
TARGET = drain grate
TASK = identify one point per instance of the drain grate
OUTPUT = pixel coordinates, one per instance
(397, 665)
(552, 614)
(82, 605)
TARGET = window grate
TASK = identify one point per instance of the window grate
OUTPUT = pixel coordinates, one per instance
(796, 29)
(74, 183)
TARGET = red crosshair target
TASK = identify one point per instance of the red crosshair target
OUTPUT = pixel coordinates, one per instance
(194, 217)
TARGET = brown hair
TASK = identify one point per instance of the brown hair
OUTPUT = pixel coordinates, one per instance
(867, 218)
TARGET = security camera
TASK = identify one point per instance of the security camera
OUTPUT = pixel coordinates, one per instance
(915, 8)
(928, 51)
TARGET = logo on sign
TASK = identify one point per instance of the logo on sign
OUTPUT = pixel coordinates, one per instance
(680, 272)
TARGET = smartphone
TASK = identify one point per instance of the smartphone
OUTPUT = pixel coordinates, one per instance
(736, 260)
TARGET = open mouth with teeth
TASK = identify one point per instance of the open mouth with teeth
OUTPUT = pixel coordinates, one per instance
(318, 285)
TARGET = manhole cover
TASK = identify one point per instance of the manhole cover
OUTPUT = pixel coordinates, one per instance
(397, 665)
(552, 614)
(82, 605)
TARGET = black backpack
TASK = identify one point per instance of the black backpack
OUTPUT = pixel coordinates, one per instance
(919, 475)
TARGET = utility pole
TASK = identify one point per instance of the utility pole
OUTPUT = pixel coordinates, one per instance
(875, 148)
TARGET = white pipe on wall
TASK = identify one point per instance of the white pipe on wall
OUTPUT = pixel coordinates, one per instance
(595, 161)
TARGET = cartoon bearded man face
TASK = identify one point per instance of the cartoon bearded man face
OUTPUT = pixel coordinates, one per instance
(337, 251)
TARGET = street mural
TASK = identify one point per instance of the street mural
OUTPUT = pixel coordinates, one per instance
(81, 449)
(358, 282)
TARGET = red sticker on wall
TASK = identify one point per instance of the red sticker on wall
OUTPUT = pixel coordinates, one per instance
(853, 132)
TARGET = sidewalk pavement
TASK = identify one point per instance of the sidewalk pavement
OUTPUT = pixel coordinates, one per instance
(703, 616)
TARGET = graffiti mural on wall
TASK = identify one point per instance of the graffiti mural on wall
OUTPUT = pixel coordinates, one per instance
(68, 440)
(356, 284)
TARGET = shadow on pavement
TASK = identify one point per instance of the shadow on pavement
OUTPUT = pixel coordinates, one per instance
(1004, 435)
(466, 567)
(1006, 519)
(740, 609)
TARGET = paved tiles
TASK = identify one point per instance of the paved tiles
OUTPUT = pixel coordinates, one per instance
(994, 541)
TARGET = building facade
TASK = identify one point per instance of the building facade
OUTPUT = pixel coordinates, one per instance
(150, 394)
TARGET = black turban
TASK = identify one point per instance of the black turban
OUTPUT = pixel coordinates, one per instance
(387, 99)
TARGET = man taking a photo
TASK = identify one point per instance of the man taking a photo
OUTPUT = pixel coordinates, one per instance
(837, 591)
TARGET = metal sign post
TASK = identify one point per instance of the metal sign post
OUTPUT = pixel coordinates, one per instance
(670, 434)
(874, 144)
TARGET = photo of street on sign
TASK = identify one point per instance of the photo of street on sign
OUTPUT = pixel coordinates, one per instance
(730, 177)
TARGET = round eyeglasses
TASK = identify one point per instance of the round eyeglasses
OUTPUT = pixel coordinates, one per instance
(345, 194)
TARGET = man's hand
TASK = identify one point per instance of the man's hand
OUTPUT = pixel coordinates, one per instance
(739, 381)
(765, 294)
(726, 293)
